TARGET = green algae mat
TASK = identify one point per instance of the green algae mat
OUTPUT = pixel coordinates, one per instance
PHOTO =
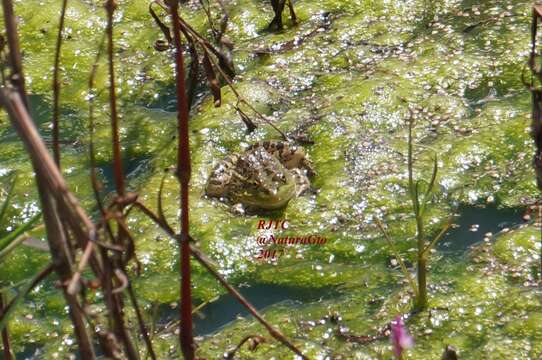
(346, 78)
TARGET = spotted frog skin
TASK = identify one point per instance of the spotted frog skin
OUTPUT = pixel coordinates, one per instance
(265, 176)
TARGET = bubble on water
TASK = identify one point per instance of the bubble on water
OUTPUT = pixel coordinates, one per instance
(473, 195)
(360, 248)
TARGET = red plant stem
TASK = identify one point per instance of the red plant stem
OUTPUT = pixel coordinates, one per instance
(203, 260)
(56, 86)
(183, 172)
(5, 336)
(119, 177)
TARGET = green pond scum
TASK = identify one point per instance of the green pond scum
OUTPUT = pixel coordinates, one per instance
(346, 77)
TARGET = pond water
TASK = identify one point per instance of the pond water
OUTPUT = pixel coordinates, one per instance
(473, 223)
(226, 309)
(345, 77)
(215, 315)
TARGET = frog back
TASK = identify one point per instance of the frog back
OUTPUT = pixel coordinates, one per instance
(221, 176)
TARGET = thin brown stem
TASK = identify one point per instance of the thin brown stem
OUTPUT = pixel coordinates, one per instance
(6, 348)
(35, 281)
(17, 108)
(117, 161)
(237, 295)
(254, 339)
(56, 86)
(203, 260)
(278, 8)
(242, 100)
(141, 322)
(17, 77)
(292, 12)
(222, 67)
(52, 191)
(398, 257)
(439, 236)
(117, 303)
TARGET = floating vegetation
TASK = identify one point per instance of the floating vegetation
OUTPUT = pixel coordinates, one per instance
(337, 78)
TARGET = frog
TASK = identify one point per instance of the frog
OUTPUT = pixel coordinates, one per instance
(265, 176)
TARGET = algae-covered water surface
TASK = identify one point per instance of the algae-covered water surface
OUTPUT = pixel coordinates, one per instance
(347, 82)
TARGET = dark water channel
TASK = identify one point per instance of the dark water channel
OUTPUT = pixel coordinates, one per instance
(455, 243)
(226, 309)
(474, 222)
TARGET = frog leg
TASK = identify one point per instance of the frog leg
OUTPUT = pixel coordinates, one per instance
(308, 166)
(302, 183)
